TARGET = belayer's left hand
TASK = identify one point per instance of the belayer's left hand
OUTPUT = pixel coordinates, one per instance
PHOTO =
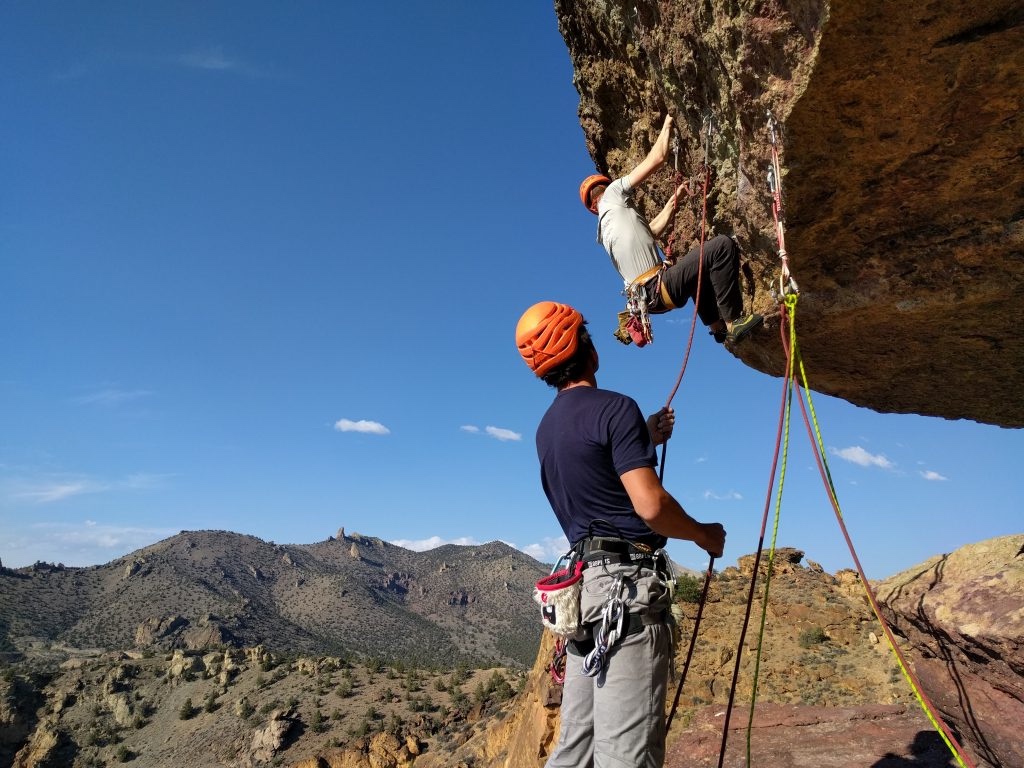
(661, 424)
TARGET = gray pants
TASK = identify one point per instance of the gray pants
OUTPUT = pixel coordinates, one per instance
(617, 719)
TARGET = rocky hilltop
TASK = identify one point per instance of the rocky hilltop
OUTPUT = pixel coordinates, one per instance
(829, 690)
(348, 595)
(900, 129)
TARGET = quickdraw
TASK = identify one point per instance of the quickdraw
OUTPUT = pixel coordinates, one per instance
(557, 666)
(635, 320)
(611, 628)
(787, 285)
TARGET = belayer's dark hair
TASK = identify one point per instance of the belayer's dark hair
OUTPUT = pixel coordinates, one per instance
(574, 367)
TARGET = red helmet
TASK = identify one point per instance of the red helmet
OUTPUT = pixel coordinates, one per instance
(547, 335)
(588, 184)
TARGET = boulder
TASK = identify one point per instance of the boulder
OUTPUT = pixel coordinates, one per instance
(963, 614)
(268, 740)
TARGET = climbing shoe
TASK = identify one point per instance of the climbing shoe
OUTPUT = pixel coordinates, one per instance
(744, 326)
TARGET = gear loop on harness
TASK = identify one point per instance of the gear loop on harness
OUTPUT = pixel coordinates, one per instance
(610, 629)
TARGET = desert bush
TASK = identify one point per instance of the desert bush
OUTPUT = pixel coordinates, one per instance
(269, 707)
(459, 698)
(211, 705)
(123, 754)
(812, 636)
(187, 711)
(360, 730)
(244, 708)
(394, 724)
(689, 588)
(317, 723)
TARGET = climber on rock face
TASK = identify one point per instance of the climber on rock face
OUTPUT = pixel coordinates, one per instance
(631, 242)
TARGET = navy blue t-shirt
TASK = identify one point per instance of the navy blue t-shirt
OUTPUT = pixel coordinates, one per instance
(586, 440)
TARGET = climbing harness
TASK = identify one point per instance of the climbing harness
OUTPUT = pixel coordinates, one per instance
(635, 320)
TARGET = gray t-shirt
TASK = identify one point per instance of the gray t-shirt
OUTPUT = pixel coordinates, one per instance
(624, 233)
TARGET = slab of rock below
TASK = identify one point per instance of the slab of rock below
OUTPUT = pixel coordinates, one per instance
(795, 736)
(964, 616)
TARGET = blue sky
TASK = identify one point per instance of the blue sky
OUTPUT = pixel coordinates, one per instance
(263, 264)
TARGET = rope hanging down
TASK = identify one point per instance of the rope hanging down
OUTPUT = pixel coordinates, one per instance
(794, 362)
(706, 172)
(963, 760)
(787, 295)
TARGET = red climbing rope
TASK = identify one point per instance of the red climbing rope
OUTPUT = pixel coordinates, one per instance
(664, 446)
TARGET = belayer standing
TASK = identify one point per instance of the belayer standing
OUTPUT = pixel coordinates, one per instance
(630, 241)
(597, 462)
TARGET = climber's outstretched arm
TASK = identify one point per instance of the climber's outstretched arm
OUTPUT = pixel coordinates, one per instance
(655, 158)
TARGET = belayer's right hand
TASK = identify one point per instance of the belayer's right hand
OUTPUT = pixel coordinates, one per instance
(714, 539)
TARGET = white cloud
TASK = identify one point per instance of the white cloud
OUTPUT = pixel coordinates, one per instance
(547, 550)
(111, 396)
(502, 434)
(367, 427)
(422, 545)
(496, 432)
(46, 494)
(213, 59)
(857, 455)
(928, 474)
(48, 490)
(77, 544)
(144, 481)
(727, 496)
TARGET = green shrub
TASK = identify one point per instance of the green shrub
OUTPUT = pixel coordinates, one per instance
(187, 711)
(812, 636)
(316, 722)
(689, 588)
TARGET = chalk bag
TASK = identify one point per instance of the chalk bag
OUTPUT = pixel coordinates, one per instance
(558, 596)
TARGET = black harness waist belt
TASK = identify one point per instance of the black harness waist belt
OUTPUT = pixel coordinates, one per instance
(638, 559)
(634, 625)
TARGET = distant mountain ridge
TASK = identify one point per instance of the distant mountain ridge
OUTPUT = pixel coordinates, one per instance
(350, 594)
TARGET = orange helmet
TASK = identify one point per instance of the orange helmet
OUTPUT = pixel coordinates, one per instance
(588, 184)
(547, 335)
